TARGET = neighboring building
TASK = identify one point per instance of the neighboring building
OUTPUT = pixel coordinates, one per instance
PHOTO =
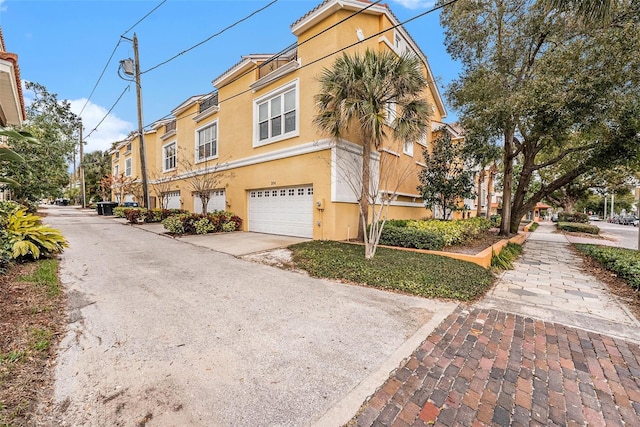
(285, 177)
(12, 112)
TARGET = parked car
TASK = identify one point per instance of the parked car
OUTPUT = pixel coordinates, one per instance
(635, 223)
(594, 218)
(554, 217)
(130, 204)
(627, 220)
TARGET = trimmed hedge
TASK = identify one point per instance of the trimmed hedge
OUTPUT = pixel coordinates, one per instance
(456, 232)
(623, 262)
(579, 227)
(407, 237)
(573, 217)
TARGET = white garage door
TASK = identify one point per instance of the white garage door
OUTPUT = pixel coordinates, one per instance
(173, 200)
(287, 211)
(217, 202)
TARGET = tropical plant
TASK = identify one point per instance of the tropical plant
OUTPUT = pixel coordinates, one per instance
(28, 238)
(7, 155)
(375, 98)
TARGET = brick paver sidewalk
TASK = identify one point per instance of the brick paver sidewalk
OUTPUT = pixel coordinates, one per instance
(486, 367)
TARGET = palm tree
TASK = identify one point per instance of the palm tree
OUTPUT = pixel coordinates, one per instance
(374, 96)
(588, 10)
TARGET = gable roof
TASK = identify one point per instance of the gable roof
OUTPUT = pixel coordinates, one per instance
(329, 7)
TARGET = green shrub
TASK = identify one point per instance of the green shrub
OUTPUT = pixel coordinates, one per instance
(408, 237)
(229, 226)
(503, 260)
(174, 224)
(623, 262)
(533, 227)
(579, 227)
(28, 238)
(454, 232)
(573, 217)
(203, 226)
(495, 220)
(118, 211)
(158, 214)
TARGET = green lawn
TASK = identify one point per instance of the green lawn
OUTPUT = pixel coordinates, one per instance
(411, 272)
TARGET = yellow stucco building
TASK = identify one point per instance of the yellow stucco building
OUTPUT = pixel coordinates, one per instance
(255, 130)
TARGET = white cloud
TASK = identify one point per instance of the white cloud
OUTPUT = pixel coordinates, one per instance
(416, 4)
(110, 130)
(3, 7)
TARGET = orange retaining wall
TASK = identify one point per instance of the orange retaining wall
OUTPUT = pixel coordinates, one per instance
(483, 258)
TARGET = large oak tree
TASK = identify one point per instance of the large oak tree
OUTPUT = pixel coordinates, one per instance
(557, 90)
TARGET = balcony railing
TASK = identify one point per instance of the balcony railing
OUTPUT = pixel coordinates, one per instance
(279, 60)
(209, 102)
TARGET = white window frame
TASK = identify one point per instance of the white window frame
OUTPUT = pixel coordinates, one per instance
(127, 167)
(116, 170)
(214, 141)
(392, 112)
(165, 158)
(267, 100)
(407, 148)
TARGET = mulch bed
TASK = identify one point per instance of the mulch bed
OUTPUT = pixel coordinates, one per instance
(477, 245)
(26, 312)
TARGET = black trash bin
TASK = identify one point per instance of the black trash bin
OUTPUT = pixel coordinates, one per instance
(107, 208)
(99, 208)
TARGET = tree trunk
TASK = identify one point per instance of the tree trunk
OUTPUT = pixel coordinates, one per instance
(366, 188)
(508, 182)
(481, 175)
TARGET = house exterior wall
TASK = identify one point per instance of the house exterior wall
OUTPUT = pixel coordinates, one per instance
(306, 156)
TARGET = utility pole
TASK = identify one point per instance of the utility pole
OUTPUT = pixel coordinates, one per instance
(612, 197)
(82, 184)
(143, 163)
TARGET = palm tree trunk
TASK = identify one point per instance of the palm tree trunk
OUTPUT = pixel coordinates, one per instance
(490, 179)
(365, 190)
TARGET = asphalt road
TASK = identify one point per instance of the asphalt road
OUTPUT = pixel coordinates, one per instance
(625, 236)
(165, 332)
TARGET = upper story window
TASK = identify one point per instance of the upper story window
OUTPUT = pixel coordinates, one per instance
(391, 110)
(169, 157)
(207, 142)
(276, 115)
(127, 167)
(128, 149)
(116, 170)
(116, 156)
(408, 148)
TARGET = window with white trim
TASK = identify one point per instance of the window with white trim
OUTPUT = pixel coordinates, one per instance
(127, 167)
(391, 110)
(116, 170)
(408, 148)
(169, 156)
(207, 142)
(276, 116)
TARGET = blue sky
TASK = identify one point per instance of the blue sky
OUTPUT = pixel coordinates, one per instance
(65, 45)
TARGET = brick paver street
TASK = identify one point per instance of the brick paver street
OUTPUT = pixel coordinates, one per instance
(485, 367)
(547, 346)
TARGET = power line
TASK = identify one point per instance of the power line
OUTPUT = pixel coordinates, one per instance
(355, 44)
(113, 53)
(212, 36)
(109, 112)
(298, 45)
(144, 17)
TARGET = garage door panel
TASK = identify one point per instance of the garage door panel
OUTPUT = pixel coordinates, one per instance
(217, 202)
(287, 211)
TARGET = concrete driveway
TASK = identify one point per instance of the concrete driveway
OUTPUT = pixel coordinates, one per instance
(166, 333)
(238, 243)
